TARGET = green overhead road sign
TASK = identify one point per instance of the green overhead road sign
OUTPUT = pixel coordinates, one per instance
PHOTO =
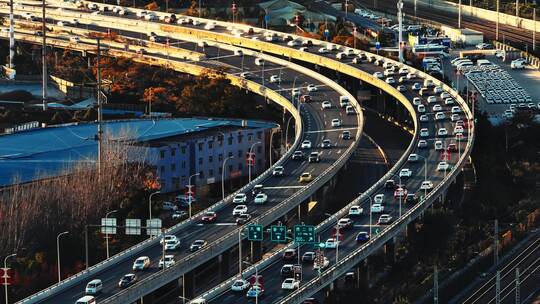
(304, 234)
(278, 234)
(255, 232)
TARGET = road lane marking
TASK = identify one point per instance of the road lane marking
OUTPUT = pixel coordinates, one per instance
(331, 130)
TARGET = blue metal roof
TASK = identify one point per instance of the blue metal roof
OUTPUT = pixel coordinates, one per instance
(47, 151)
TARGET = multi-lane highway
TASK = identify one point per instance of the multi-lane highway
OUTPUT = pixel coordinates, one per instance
(316, 127)
(316, 124)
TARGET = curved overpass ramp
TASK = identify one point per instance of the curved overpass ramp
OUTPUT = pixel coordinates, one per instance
(350, 253)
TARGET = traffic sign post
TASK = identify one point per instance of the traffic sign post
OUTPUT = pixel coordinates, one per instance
(255, 233)
(278, 234)
(304, 234)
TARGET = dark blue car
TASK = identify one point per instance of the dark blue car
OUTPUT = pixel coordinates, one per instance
(362, 237)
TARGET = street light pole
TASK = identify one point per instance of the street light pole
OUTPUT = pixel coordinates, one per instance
(287, 133)
(150, 204)
(240, 253)
(249, 162)
(58, 253)
(189, 194)
(257, 278)
(223, 177)
(106, 233)
(400, 20)
(5, 275)
(370, 216)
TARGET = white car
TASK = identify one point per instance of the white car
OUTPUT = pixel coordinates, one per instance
(311, 88)
(331, 243)
(326, 105)
(275, 78)
(322, 50)
(455, 117)
(449, 101)
(325, 263)
(356, 210)
(424, 118)
(437, 89)
(405, 172)
(424, 132)
(141, 263)
(417, 101)
(379, 198)
(336, 122)
(172, 245)
(378, 75)
(168, 261)
(390, 80)
(293, 43)
(377, 208)
(437, 108)
(278, 171)
(456, 109)
(168, 238)
(440, 116)
(411, 75)
(442, 132)
(421, 108)
(483, 46)
(458, 129)
(401, 88)
(210, 26)
(260, 198)
(306, 144)
(240, 198)
(385, 219)
(422, 144)
(413, 157)
(432, 99)
(439, 145)
(240, 285)
(426, 185)
(445, 95)
(443, 166)
(290, 284)
(402, 79)
(240, 209)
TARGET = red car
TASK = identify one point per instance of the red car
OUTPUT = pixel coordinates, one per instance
(209, 217)
(334, 230)
(452, 148)
(400, 192)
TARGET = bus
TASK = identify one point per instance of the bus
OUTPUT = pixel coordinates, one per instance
(431, 49)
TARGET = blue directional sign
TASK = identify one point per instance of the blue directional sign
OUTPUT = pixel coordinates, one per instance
(255, 233)
(278, 234)
(326, 33)
(304, 234)
(377, 45)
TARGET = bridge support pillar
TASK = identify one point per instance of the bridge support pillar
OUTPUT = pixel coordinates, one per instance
(148, 299)
(389, 251)
(256, 251)
(224, 261)
(186, 285)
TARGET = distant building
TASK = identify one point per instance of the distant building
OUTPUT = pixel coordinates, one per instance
(281, 12)
(177, 148)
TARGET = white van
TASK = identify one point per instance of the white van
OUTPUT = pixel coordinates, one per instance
(343, 101)
(86, 300)
(198, 301)
(518, 63)
(94, 287)
(169, 206)
(259, 61)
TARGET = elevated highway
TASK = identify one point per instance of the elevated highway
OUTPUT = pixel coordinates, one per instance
(350, 253)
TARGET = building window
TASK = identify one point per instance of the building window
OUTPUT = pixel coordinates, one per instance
(200, 146)
(230, 168)
(240, 153)
(201, 174)
(173, 167)
(229, 140)
(162, 154)
(183, 149)
(210, 144)
(250, 137)
(259, 135)
(259, 149)
(210, 159)
(211, 172)
(240, 138)
(220, 157)
(230, 154)
(162, 170)
(173, 152)
(220, 170)
(259, 162)
(200, 160)
(183, 166)
(240, 167)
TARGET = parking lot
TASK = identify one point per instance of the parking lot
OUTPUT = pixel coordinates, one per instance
(523, 80)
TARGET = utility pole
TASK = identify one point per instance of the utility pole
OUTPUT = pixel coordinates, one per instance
(400, 38)
(534, 32)
(498, 287)
(497, 24)
(518, 296)
(435, 285)
(496, 243)
(459, 15)
(12, 34)
(44, 58)
(100, 108)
